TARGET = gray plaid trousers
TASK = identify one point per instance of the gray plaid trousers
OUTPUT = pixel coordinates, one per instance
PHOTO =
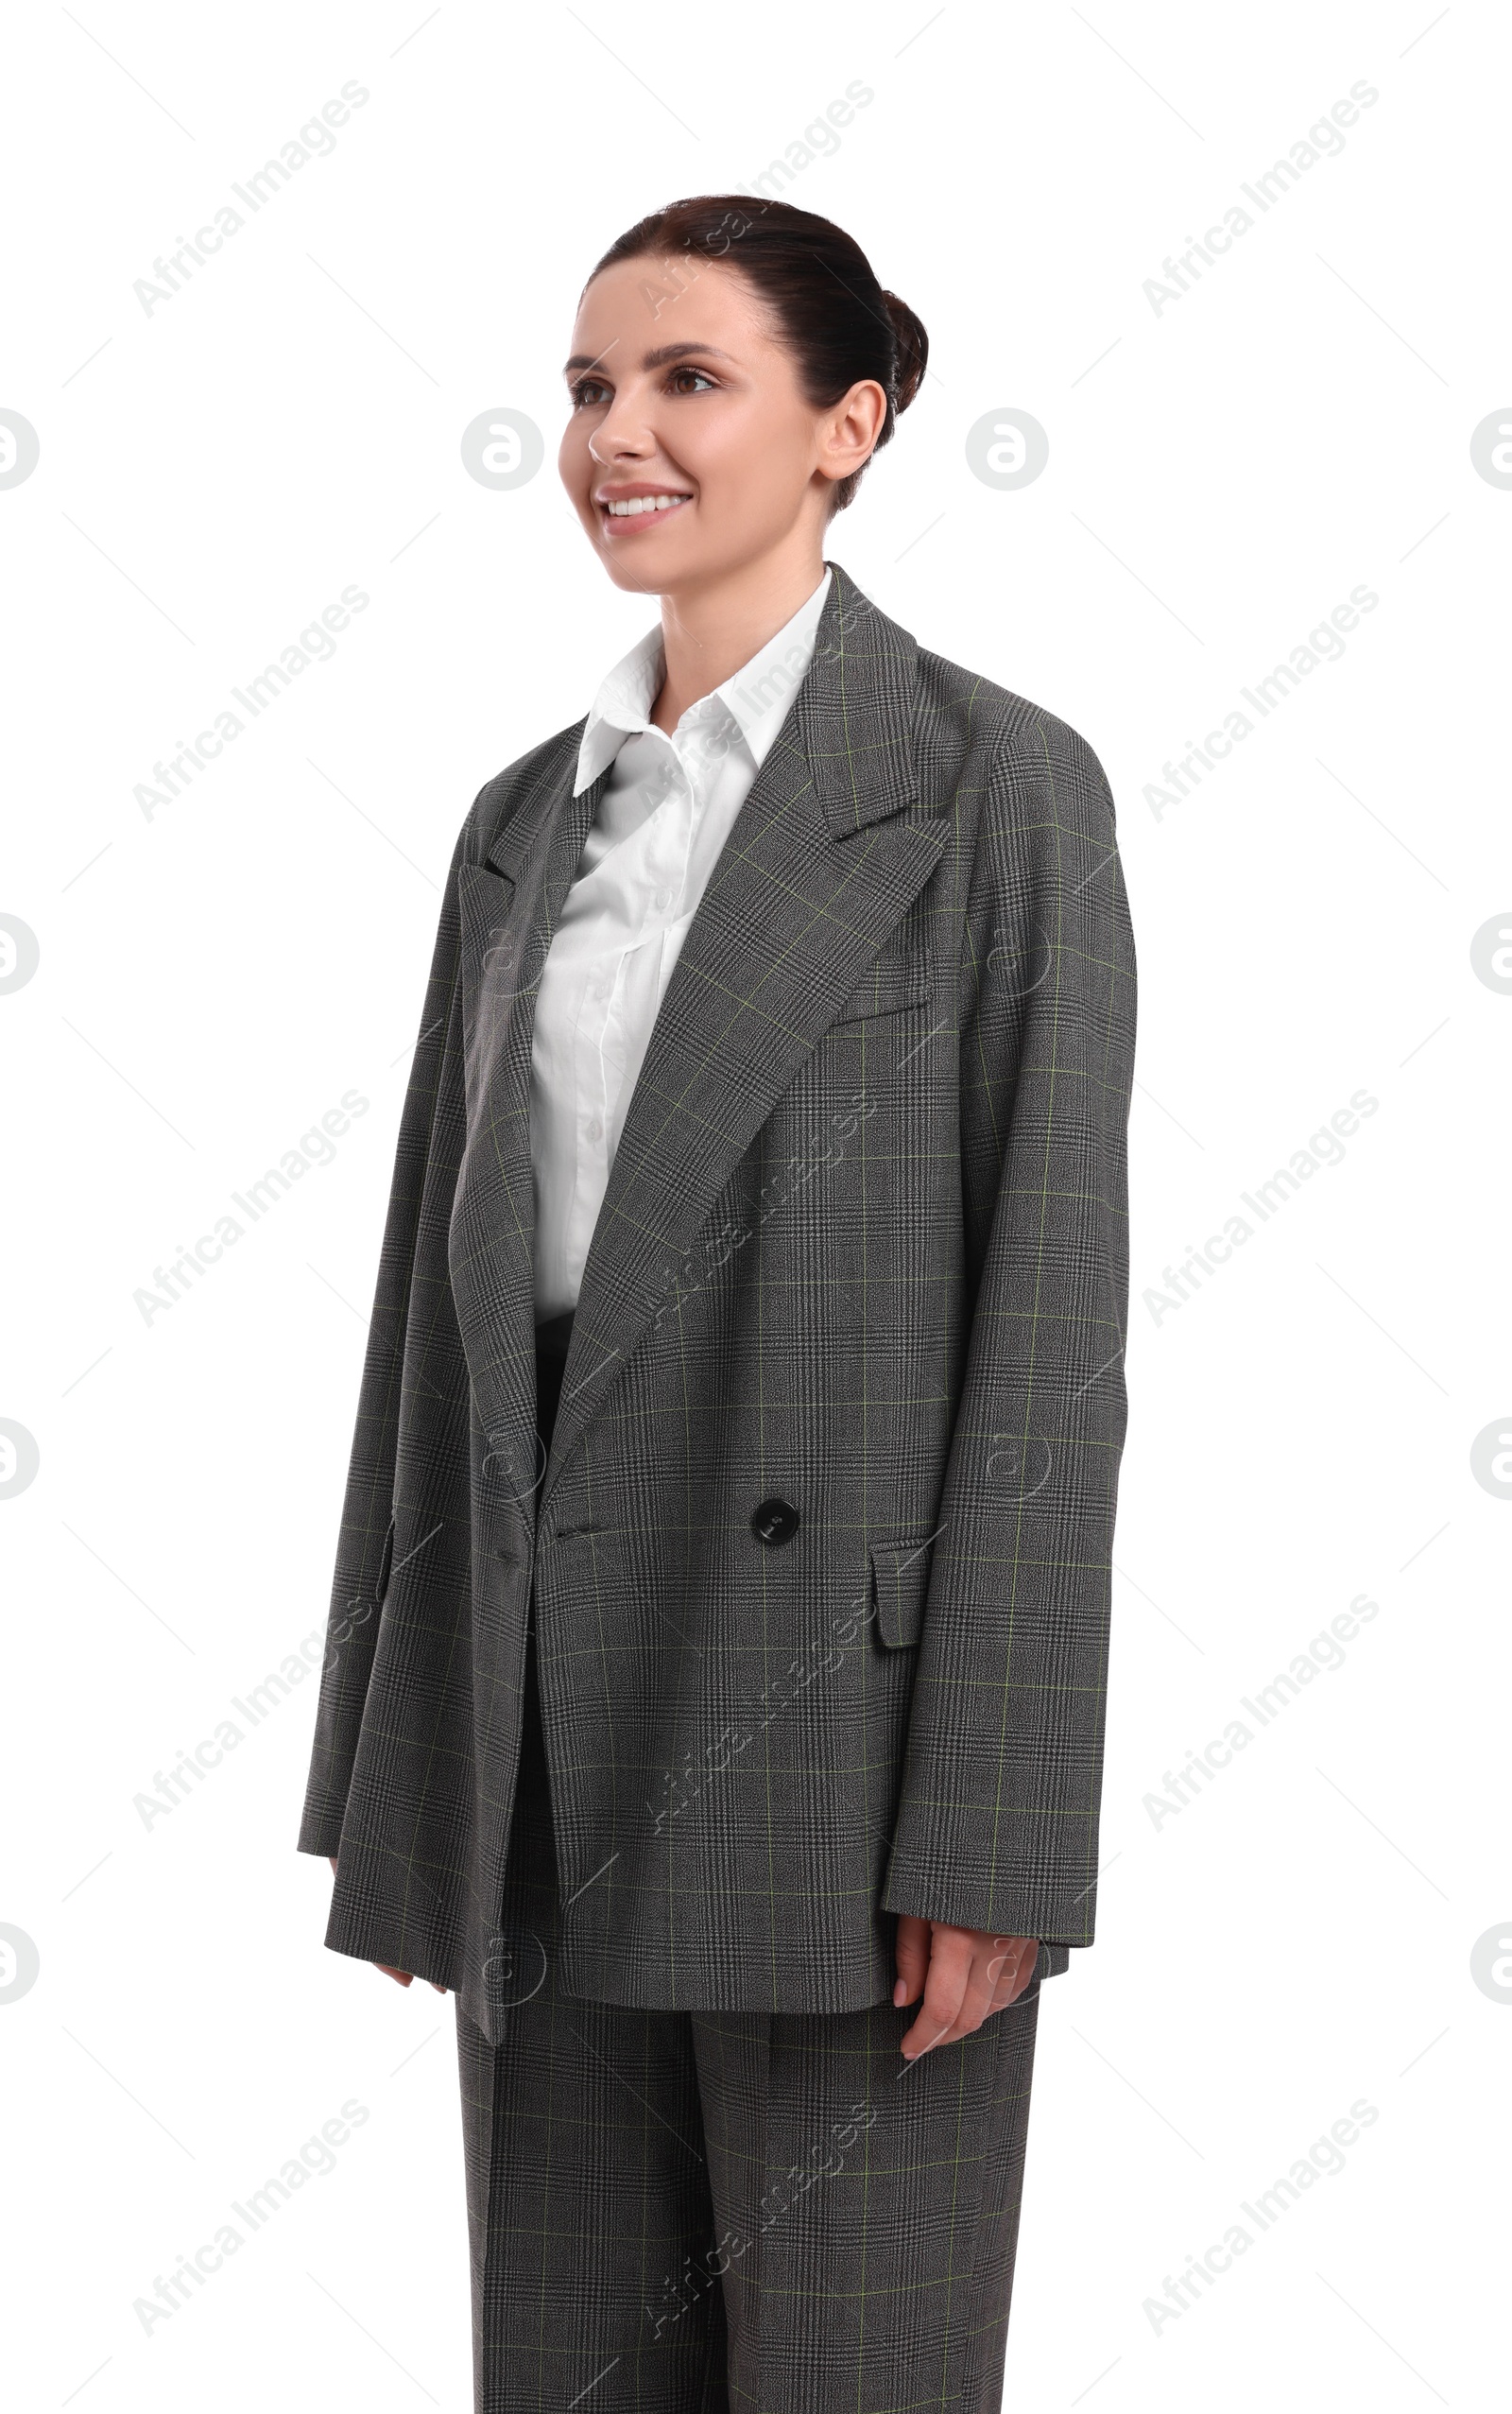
(685, 2213)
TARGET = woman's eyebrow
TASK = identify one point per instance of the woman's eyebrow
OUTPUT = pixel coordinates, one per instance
(656, 359)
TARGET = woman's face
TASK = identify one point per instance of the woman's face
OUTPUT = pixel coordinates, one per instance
(685, 404)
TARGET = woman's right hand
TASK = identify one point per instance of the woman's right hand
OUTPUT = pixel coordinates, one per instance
(405, 1977)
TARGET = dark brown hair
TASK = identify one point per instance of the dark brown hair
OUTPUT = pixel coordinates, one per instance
(838, 322)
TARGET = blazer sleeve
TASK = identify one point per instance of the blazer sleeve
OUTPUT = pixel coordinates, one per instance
(365, 1543)
(997, 1819)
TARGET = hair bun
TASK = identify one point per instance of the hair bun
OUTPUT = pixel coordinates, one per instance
(913, 348)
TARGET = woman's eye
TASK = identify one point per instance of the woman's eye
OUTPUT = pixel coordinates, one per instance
(589, 391)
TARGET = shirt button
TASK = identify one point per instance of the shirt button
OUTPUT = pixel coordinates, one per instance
(662, 900)
(594, 1129)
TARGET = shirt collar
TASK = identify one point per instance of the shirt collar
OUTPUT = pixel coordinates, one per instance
(755, 698)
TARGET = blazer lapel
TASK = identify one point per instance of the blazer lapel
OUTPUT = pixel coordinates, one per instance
(510, 906)
(823, 860)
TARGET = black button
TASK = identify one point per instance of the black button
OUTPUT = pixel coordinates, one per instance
(773, 1521)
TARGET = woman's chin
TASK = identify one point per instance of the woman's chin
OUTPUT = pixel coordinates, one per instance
(648, 570)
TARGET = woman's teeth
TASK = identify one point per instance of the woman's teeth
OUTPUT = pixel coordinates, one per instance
(646, 502)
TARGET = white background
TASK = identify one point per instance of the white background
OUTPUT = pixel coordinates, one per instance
(213, 978)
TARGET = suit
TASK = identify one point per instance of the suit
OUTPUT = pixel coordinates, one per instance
(816, 1566)
(695, 2212)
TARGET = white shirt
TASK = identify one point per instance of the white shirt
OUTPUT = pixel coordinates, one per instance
(668, 807)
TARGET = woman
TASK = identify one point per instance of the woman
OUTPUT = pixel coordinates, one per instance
(715, 1687)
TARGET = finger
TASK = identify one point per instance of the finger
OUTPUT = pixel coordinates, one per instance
(332, 1864)
(1005, 1964)
(1015, 1970)
(977, 1993)
(403, 1977)
(950, 1960)
(912, 1956)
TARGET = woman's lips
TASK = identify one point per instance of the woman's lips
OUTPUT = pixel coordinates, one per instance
(626, 524)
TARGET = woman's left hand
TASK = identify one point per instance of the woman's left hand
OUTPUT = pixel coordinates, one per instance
(965, 1974)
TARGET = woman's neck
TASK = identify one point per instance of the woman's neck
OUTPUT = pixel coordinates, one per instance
(710, 633)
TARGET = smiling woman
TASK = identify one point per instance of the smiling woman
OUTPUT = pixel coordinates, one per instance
(724, 372)
(737, 1453)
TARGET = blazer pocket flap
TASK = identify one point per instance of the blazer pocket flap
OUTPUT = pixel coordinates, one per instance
(887, 989)
(900, 1580)
(385, 1564)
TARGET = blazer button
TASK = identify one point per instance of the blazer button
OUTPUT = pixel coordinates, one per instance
(773, 1521)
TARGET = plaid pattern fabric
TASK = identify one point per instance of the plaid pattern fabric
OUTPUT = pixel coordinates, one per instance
(689, 2213)
(820, 1554)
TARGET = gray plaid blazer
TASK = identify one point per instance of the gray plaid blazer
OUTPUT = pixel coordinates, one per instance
(818, 1566)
